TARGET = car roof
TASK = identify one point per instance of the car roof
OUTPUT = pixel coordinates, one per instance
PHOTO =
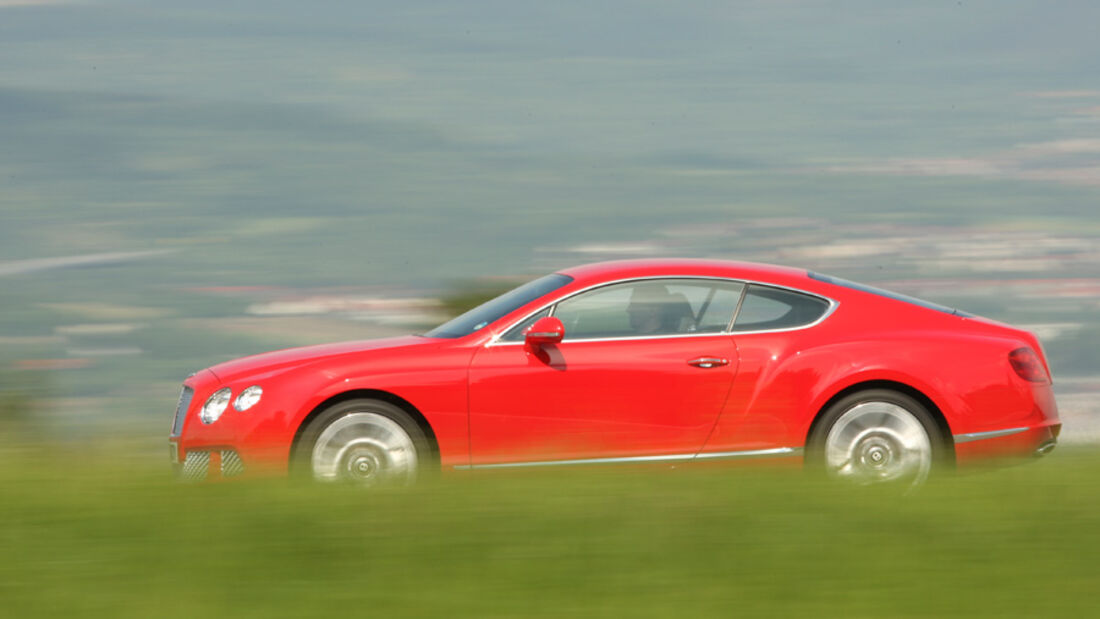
(670, 267)
(836, 290)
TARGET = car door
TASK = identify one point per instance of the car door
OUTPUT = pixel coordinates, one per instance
(644, 369)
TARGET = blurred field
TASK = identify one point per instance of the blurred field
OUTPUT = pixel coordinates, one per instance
(187, 184)
(100, 536)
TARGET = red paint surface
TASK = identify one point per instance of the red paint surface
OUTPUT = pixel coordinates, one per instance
(486, 402)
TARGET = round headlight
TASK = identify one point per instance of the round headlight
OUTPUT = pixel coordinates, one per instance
(248, 398)
(215, 406)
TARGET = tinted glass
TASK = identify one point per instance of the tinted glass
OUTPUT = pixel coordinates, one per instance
(886, 293)
(649, 308)
(767, 308)
(490, 311)
(516, 333)
(715, 309)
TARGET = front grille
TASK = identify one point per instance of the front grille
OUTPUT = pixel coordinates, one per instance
(181, 410)
(196, 466)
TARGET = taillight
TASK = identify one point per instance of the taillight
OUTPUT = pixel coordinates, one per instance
(1027, 365)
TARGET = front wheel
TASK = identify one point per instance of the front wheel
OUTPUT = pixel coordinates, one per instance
(877, 436)
(364, 442)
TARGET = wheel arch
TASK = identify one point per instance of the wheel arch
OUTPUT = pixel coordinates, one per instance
(913, 392)
(372, 394)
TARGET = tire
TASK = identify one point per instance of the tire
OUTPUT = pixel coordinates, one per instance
(363, 442)
(877, 436)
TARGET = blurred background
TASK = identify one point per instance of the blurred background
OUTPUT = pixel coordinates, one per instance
(182, 183)
(187, 183)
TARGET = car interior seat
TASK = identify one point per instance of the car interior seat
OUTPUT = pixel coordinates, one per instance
(677, 315)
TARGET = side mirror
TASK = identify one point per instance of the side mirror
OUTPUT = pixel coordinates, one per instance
(546, 330)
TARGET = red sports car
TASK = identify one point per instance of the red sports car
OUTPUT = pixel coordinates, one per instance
(667, 361)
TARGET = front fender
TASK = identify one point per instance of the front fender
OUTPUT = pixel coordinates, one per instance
(434, 384)
(435, 388)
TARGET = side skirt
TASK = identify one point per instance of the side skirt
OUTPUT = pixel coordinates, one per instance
(714, 455)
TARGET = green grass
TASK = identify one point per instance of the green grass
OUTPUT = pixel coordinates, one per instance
(94, 536)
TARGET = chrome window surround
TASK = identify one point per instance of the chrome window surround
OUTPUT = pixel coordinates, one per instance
(833, 304)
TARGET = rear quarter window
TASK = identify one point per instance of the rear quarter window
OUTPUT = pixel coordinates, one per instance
(766, 308)
(836, 281)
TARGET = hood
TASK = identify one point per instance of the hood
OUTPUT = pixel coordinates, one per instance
(273, 362)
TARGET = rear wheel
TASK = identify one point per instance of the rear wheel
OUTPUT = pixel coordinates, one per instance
(364, 442)
(877, 436)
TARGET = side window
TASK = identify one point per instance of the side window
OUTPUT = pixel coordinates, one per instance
(598, 313)
(516, 333)
(767, 308)
(650, 307)
(712, 304)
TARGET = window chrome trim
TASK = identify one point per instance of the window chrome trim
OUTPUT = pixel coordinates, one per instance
(737, 308)
(624, 338)
(833, 304)
(713, 455)
(981, 436)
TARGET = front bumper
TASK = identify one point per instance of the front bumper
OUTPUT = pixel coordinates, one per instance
(234, 446)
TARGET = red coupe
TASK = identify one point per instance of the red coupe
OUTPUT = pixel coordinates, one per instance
(667, 361)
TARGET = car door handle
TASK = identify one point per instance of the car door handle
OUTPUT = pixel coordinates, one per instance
(709, 362)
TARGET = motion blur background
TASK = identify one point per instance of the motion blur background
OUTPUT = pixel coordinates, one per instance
(186, 182)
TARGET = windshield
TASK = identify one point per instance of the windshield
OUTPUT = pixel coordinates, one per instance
(484, 314)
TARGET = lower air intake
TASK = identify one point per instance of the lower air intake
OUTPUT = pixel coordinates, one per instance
(231, 464)
(196, 466)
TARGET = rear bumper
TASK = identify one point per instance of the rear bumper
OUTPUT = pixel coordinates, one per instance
(1022, 424)
(1026, 441)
